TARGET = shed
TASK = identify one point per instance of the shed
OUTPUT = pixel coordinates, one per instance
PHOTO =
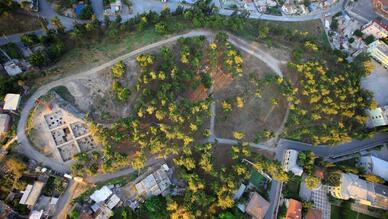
(11, 102)
(4, 123)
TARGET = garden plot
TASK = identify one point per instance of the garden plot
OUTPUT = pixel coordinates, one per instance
(264, 111)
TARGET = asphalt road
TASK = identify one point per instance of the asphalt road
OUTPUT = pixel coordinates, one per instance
(140, 6)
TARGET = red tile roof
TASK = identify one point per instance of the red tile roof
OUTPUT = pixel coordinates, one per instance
(294, 210)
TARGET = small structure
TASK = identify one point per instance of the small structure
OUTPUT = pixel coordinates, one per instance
(113, 201)
(375, 165)
(78, 8)
(379, 51)
(377, 117)
(239, 192)
(36, 214)
(103, 213)
(257, 206)
(375, 28)
(289, 162)
(31, 194)
(12, 67)
(289, 8)
(101, 195)
(294, 210)
(11, 102)
(314, 213)
(155, 183)
(4, 124)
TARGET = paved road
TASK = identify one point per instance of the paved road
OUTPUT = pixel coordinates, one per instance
(64, 201)
(141, 6)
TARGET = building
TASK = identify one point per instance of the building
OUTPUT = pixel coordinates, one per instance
(31, 194)
(239, 192)
(294, 210)
(101, 195)
(36, 214)
(375, 28)
(155, 183)
(257, 206)
(11, 102)
(4, 124)
(314, 213)
(377, 117)
(379, 51)
(12, 67)
(289, 8)
(375, 165)
(289, 162)
(363, 192)
(103, 213)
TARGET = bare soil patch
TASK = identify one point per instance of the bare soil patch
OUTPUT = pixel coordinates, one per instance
(222, 155)
(258, 113)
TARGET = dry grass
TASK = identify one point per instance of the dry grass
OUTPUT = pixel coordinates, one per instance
(258, 114)
(18, 23)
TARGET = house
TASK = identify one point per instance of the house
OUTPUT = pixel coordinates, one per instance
(375, 165)
(11, 102)
(101, 195)
(289, 162)
(314, 213)
(36, 214)
(257, 206)
(363, 192)
(103, 213)
(4, 124)
(115, 6)
(12, 67)
(379, 51)
(377, 117)
(31, 194)
(155, 183)
(289, 8)
(375, 28)
(294, 210)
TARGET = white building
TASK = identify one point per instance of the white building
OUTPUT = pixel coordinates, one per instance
(289, 162)
(379, 51)
(101, 195)
(377, 117)
(11, 102)
(289, 8)
(363, 192)
(12, 67)
(375, 165)
(375, 28)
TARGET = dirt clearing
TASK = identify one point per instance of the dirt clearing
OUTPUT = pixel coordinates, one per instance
(258, 113)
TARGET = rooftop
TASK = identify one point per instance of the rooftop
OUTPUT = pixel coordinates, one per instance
(314, 214)
(4, 123)
(257, 206)
(101, 194)
(294, 210)
(11, 102)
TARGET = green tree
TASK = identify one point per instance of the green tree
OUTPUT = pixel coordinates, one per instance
(263, 31)
(312, 182)
(57, 24)
(118, 70)
(37, 59)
